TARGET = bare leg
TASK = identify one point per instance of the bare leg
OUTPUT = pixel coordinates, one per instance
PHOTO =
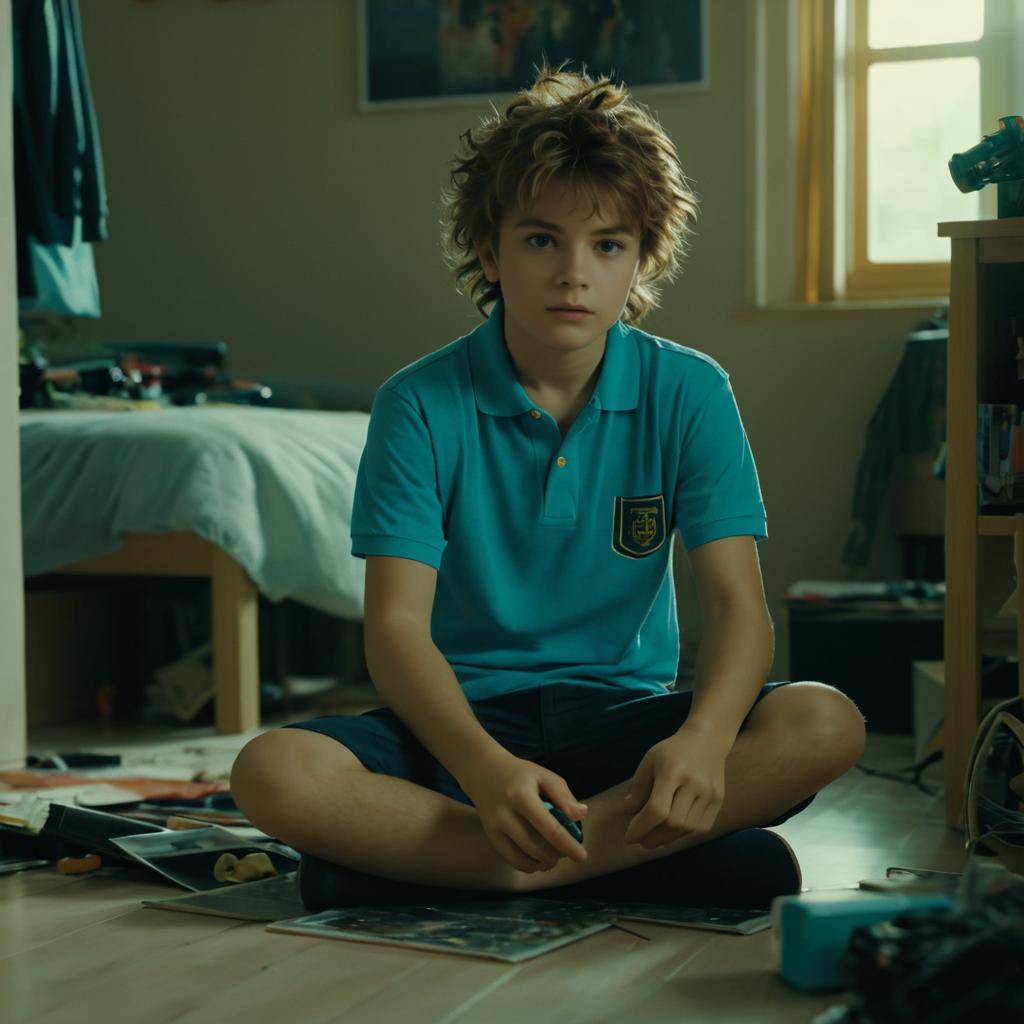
(327, 804)
(335, 809)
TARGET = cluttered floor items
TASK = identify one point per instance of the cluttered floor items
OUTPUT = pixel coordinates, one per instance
(881, 939)
(192, 834)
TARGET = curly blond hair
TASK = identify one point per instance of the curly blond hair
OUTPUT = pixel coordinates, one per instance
(589, 134)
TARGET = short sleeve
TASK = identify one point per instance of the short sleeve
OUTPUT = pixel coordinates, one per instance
(717, 490)
(397, 509)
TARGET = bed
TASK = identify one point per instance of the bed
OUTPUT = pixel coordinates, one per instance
(257, 500)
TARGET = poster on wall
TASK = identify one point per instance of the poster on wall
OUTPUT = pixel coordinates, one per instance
(434, 51)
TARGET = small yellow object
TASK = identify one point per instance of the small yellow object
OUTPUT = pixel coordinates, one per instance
(253, 865)
(560, 461)
(79, 865)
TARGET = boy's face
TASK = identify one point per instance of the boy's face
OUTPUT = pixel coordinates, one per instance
(565, 270)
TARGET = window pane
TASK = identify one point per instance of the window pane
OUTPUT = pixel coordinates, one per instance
(910, 141)
(919, 22)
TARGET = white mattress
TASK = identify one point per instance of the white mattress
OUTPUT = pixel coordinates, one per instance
(272, 487)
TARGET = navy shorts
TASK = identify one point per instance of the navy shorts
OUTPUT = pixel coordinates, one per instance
(594, 735)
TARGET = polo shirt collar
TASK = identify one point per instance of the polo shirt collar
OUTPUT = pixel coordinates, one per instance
(499, 392)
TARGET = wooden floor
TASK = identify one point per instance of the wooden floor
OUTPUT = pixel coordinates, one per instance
(83, 949)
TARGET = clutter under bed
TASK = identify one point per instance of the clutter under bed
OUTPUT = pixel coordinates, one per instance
(173, 491)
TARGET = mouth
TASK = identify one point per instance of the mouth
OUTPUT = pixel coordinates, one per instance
(568, 307)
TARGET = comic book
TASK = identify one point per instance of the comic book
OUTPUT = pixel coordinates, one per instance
(510, 930)
(265, 899)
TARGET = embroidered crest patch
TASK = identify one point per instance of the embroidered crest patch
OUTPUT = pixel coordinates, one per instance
(639, 528)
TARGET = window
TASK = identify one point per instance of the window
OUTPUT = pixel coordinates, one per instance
(887, 91)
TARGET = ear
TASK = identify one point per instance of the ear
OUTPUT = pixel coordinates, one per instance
(488, 258)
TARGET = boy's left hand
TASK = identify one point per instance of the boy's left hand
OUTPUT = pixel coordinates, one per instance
(678, 788)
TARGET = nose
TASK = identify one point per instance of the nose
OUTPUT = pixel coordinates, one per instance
(573, 271)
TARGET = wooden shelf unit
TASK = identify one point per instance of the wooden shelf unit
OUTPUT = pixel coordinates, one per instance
(986, 287)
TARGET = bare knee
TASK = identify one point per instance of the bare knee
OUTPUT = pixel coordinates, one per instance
(260, 770)
(820, 720)
(834, 724)
(272, 768)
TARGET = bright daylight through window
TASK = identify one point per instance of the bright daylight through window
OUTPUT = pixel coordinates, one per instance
(919, 112)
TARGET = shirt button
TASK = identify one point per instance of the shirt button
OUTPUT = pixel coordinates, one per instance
(535, 413)
(560, 462)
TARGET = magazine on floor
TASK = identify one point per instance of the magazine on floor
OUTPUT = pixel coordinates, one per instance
(189, 857)
(510, 930)
(267, 899)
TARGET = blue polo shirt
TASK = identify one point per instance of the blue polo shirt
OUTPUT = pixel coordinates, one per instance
(553, 554)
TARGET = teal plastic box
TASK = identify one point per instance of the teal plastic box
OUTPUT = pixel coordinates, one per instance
(812, 930)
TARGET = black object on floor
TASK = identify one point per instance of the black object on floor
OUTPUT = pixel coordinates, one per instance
(747, 869)
(78, 830)
(78, 759)
(324, 886)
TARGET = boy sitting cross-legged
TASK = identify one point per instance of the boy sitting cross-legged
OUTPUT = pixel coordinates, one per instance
(515, 505)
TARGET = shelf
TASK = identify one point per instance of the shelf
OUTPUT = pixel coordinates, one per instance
(1000, 526)
(986, 281)
(1004, 228)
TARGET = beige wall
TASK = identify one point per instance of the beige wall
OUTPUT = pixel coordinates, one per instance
(12, 660)
(252, 201)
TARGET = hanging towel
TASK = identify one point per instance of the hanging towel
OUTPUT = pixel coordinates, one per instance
(65, 277)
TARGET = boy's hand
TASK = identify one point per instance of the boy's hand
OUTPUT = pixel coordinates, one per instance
(508, 793)
(678, 788)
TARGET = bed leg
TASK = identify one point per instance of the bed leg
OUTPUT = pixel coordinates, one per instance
(235, 646)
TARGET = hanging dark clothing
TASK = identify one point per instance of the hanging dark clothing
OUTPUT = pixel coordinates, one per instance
(58, 167)
(910, 419)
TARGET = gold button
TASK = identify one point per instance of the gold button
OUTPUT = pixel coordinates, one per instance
(535, 413)
(560, 461)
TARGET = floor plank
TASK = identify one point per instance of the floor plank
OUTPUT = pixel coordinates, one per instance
(33, 914)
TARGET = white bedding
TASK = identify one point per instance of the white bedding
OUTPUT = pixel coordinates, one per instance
(271, 487)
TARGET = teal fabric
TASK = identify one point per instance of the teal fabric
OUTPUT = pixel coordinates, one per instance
(549, 572)
(65, 277)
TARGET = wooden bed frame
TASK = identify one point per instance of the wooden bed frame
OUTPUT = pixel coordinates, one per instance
(234, 612)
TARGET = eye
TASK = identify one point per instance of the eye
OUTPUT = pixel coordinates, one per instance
(609, 245)
(540, 241)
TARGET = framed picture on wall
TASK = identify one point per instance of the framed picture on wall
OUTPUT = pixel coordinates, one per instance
(436, 51)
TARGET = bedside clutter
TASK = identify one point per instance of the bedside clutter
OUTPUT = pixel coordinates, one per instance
(924, 946)
(812, 930)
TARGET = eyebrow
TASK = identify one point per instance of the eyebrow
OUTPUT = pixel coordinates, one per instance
(533, 222)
